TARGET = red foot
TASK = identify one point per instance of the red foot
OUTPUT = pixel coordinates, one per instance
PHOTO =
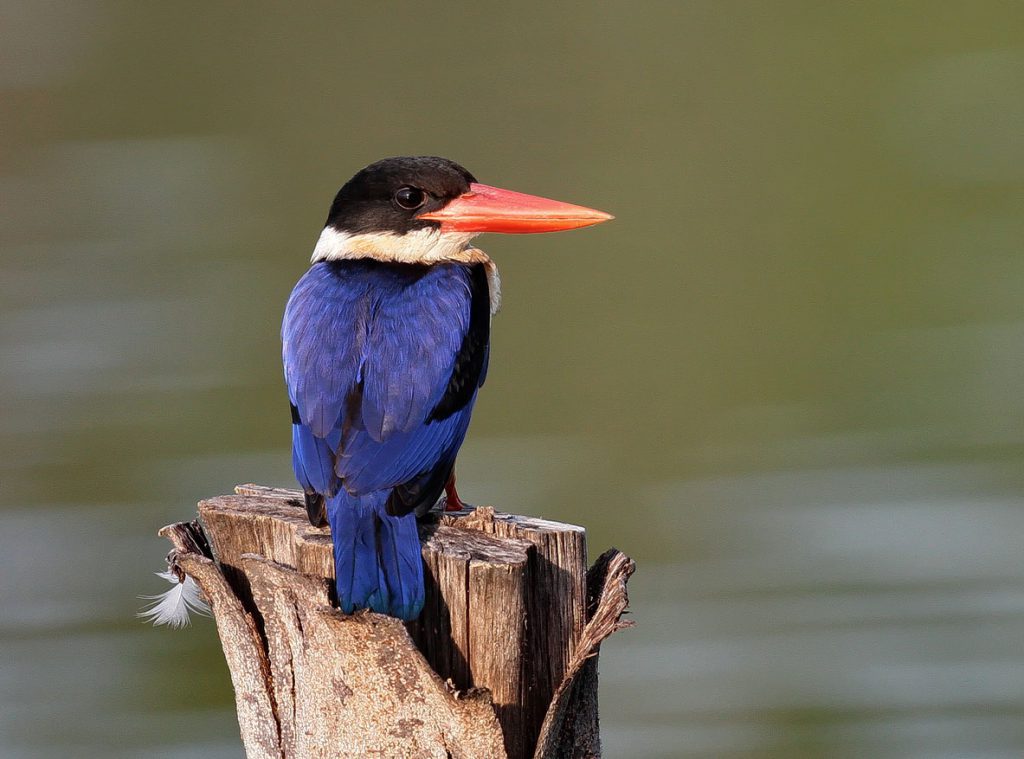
(452, 502)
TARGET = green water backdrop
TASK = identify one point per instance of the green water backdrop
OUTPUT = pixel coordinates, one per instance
(788, 379)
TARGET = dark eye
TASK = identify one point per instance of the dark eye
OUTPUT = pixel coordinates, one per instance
(410, 197)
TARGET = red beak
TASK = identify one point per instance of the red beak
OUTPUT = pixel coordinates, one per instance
(491, 209)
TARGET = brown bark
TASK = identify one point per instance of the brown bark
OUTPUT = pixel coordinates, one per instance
(504, 654)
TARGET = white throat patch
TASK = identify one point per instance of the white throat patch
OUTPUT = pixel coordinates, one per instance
(423, 246)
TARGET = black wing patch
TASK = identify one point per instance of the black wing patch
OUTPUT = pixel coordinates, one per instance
(472, 355)
(316, 509)
(423, 490)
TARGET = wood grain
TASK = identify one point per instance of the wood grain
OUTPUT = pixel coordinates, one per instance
(504, 653)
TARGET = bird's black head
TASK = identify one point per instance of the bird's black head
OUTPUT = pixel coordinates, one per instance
(387, 196)
(424, 210)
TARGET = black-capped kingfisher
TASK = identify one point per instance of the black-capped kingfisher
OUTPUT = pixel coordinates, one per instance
(386, 342)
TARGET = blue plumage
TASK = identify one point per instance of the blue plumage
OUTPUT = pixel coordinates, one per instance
(382, 363)
(376, 556)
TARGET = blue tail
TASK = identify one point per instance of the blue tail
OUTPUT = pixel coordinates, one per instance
(377, 559)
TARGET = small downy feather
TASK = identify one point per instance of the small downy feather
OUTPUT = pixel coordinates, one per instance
(172, 607)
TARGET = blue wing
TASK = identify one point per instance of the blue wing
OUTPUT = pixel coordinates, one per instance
(382, 363)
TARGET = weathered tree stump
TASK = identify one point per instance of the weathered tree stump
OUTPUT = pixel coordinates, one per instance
(502, 663)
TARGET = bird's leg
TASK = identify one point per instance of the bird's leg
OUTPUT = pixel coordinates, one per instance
(452, 502)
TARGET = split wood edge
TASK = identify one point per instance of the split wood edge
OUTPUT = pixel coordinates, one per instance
(377, 688)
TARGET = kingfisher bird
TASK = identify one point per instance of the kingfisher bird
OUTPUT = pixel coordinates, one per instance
(386, 340)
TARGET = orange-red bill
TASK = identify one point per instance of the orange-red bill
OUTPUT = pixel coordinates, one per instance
(491, 209)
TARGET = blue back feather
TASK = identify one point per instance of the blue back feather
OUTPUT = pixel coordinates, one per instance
(368, 352)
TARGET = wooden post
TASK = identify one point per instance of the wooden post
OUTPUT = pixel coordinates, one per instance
(502, 663)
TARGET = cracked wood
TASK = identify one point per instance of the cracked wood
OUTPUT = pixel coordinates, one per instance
(504, 654)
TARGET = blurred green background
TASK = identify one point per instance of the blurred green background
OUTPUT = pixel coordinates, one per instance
(788, 379)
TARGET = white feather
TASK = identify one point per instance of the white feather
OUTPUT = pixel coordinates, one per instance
(421, 246)
(173, 607)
